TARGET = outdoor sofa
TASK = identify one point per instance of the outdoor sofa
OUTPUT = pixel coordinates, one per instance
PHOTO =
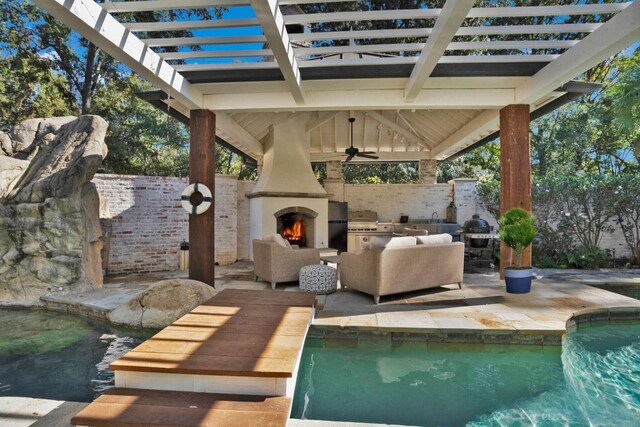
(390, 270)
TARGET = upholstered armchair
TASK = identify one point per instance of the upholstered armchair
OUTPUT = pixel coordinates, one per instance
(275, 263)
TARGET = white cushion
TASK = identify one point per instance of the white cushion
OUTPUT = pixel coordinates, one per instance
(435, 239)
(394, 242)
(278, 239)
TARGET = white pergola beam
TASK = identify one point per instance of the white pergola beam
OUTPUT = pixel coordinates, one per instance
(320, 119)
(412, 47)
(191, 25)
(236, 135)
(151, 5)
(272, 22)
(373, 99)
(171, 56)
(484, 123)
(478, 12)
(102, 29)
(451, 18)
(616, 34)
(464, 31)
(396, 128)
(196, 41)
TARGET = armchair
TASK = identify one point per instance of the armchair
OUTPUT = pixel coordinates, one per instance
(275, 263)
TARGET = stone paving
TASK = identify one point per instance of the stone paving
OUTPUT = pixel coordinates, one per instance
(481, 308)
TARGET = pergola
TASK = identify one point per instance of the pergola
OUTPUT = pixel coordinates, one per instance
(444, 80)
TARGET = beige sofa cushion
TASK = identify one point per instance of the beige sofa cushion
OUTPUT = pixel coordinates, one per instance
(394, 242)
(435, 239)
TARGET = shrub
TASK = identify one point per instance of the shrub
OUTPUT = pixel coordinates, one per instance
(517, 230)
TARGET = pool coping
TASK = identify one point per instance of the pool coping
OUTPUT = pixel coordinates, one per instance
(352, 335)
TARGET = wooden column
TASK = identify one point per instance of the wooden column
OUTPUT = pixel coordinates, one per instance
(202, 164)
(515, 171)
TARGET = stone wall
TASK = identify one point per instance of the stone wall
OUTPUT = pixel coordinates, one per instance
(148, 223)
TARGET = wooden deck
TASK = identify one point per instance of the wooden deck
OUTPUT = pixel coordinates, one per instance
(236, 333)
(232, 360)
(134, 407)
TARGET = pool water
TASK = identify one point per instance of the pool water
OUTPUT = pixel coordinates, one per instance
(593, 379)
(59, 356)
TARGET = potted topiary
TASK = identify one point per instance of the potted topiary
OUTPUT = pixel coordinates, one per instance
(517, 230)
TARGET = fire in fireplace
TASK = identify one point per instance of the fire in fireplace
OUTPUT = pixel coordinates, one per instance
(293, 229)
(291, 226)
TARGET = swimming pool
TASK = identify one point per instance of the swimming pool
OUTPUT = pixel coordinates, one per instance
(59, 356)
(594, 378)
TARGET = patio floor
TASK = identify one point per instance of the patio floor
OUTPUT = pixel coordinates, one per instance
(481, 307)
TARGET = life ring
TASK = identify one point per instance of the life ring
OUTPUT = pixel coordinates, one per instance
(196, 187)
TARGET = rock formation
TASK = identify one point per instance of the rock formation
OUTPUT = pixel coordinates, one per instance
(162, 303)
(50, 236)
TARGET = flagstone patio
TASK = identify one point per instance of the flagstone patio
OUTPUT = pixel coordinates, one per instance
(480, 312)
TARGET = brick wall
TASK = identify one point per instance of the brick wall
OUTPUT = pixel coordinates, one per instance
(148, 222)
(418, 201)
(244, 224)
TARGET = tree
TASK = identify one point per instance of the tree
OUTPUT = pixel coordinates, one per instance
(626, 210)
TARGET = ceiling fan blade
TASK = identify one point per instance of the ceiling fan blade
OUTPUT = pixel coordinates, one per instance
(368, 152)
(348, 159)
(368, 156)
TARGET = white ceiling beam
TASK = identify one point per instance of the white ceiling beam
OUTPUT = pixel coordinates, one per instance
(170, 56)
(191, 25)
(320, 119)
(463, 31)
(272, 22)
(357, 84)
(227, 66)
(453, 14)
(329, 100)
(195, 41)
(370, 15)
(237, 136)
(486, 122)
(579, 9)
(383, 156)
(616, 34)
(103, 30)
(151, 5)
(412, 47)
(395, 128)
(479, 12)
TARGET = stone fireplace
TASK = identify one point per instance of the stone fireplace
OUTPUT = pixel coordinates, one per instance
(287, 189)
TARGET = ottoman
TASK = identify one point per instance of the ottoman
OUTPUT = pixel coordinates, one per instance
(318, 278)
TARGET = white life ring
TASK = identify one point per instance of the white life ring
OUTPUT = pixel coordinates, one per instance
(196, 187)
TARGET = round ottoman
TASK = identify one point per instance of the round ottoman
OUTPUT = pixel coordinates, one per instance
(318, 278)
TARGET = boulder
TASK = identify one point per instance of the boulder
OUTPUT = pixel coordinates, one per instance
(50, 234)
(162, 303)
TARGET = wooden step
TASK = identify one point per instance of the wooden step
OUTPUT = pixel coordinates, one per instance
(236, 333)
(135, 407)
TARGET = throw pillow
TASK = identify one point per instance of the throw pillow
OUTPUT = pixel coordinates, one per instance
(414, 232)
(394, 242)
(278, 239)
(435, 239)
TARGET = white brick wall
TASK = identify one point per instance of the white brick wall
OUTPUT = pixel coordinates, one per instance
(418, 201)
(148, 222)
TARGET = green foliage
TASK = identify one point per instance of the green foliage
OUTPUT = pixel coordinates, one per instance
(379, 173)
(625, 208)
(590, 258)
(517, 230)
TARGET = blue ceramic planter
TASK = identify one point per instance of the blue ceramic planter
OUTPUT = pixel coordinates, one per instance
(518, 281)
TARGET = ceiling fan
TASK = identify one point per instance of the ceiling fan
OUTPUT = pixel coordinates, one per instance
(352, 151)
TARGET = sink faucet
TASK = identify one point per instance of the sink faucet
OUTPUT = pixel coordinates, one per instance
(435, 214)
